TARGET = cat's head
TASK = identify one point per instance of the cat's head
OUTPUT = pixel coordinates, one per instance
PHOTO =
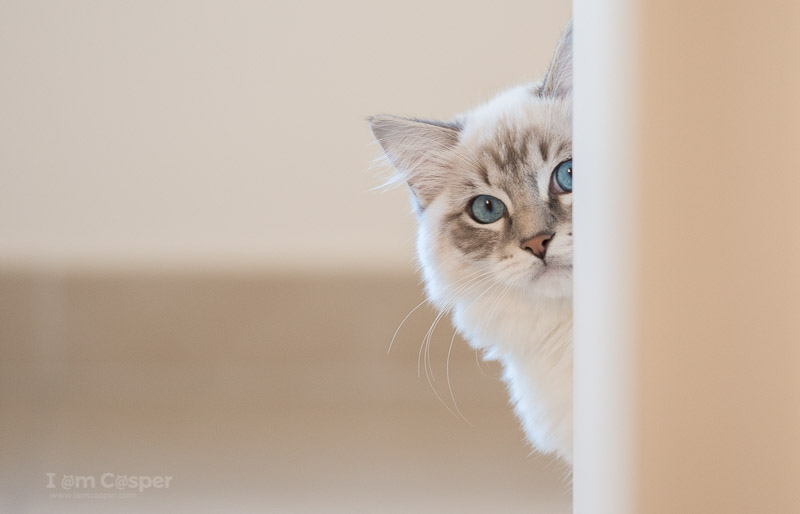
(492, 189)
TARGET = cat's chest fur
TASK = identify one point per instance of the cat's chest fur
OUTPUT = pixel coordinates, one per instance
(532, 338)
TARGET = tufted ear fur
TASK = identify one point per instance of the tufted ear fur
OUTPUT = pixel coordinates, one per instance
(418, 150)
(558, 81)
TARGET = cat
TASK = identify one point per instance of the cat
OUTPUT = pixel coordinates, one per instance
(492, 193)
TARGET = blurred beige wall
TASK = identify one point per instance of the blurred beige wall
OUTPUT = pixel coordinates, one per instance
(687, 347)
(233, 133)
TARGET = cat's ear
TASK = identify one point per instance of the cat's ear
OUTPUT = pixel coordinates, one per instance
(558, 81)
(417, 148)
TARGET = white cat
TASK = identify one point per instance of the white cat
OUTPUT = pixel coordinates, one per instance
(492, 191)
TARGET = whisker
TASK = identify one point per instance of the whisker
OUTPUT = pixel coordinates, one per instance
(449, 385)
(420, 304)
(427, 339)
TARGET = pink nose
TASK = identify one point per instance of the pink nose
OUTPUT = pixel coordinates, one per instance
(538, 245)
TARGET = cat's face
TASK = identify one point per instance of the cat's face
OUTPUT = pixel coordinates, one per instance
(505, 207)
(493, 190)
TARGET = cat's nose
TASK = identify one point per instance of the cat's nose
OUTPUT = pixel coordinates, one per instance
(538, 245)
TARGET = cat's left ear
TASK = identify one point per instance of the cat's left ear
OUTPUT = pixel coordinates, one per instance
(558, 81)
(418, 150)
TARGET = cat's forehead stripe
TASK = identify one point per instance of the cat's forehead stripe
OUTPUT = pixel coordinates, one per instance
(563, 147)
(543, 148)
(483, 173)
(510, 149)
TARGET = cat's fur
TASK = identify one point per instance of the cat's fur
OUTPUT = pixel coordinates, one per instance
(515, 307)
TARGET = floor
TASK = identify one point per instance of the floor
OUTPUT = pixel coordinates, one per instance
(237, 392)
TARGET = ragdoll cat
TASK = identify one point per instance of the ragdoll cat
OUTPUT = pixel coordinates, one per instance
(492, 193)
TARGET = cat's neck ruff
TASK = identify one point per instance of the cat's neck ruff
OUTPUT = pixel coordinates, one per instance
(532, 338)
(510, 322)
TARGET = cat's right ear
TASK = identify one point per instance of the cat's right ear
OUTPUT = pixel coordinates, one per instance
(558, 81)
(417, 149)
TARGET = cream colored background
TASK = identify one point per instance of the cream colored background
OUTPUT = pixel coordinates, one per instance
(233, 133)
(196, 279)
(687, 285)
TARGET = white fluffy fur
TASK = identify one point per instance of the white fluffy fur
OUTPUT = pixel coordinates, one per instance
(530, 335)
(514, 307)
(528, 331)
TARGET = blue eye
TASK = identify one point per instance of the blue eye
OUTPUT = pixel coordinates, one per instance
(562, 178)
(486, 209)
